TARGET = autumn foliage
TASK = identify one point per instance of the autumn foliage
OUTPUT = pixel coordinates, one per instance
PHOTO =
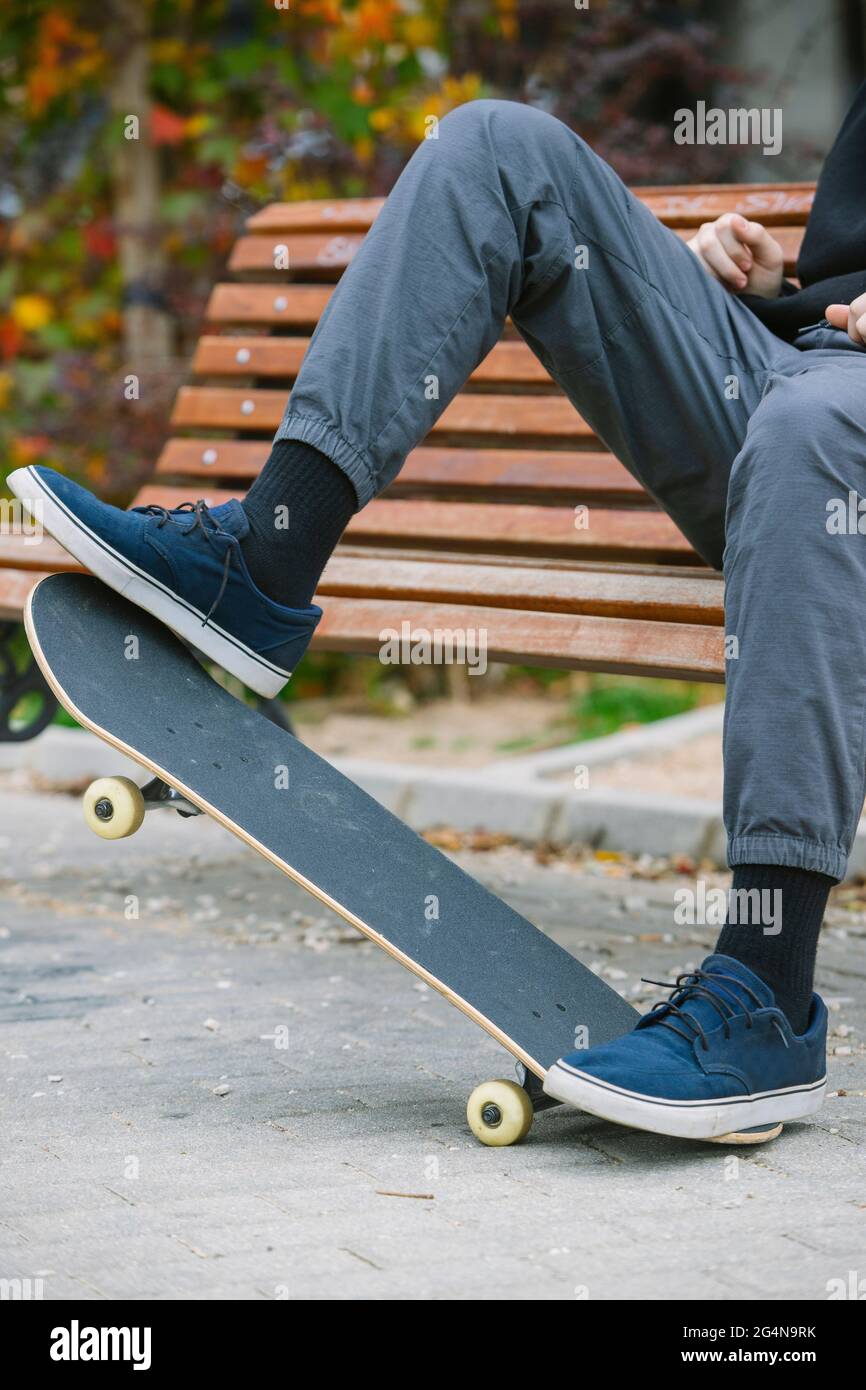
(249, 103)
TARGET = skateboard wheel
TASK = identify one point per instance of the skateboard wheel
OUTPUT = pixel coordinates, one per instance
(113, 807)
(499, 1113)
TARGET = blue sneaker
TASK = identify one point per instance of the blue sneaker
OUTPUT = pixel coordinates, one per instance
(716, 1058)
(185, 566)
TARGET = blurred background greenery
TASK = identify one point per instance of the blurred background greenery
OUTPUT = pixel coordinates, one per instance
(246, 101)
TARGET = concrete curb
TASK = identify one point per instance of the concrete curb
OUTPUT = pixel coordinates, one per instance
(525, 801)
(524, 798)
(639, 742)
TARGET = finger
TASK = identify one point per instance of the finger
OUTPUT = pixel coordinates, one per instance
(764, 247)
(716, 257)
(837, 315)
(849, 318)
(741, 255)
(749, 232)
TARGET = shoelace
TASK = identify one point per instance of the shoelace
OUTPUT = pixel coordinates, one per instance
(691, 986)
(200, 516)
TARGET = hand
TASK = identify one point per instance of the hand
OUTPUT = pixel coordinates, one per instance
(849, 317)
(741, 254)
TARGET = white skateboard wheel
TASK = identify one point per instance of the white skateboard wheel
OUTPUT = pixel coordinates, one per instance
(499, 1113)
(113, 807)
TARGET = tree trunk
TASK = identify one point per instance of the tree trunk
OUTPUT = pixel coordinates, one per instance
(147, 326)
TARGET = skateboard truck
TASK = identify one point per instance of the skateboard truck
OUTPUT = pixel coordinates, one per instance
(114, 807)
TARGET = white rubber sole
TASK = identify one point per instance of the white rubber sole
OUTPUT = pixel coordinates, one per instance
(142, 589)
(682, 1119)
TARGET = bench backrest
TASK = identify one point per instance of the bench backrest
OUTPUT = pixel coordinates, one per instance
(510, 443)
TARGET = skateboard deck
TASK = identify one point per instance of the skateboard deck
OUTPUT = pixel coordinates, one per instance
(127, 678)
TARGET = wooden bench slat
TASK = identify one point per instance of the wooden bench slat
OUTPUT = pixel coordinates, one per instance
(503, 529)
(509, 362)
(679, 650)
(677, 206)
(307, 252)
(45, 555)
(522, 529)
(531, 474)
(504, 417)
(245, 355)
(773, 204)
(324, 255)
(568, 477)
(312, 215)
(660, 596)
(289, 306)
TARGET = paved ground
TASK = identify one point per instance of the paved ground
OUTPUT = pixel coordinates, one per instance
(341, 1166)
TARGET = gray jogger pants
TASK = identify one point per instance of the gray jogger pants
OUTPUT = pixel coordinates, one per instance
(755, 447)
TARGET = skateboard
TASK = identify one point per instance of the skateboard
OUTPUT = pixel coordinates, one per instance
(126, 677)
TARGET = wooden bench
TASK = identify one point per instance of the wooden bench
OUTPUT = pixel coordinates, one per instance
(478, 530)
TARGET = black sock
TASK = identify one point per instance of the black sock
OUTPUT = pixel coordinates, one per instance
(785, 960)
(297, 509)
